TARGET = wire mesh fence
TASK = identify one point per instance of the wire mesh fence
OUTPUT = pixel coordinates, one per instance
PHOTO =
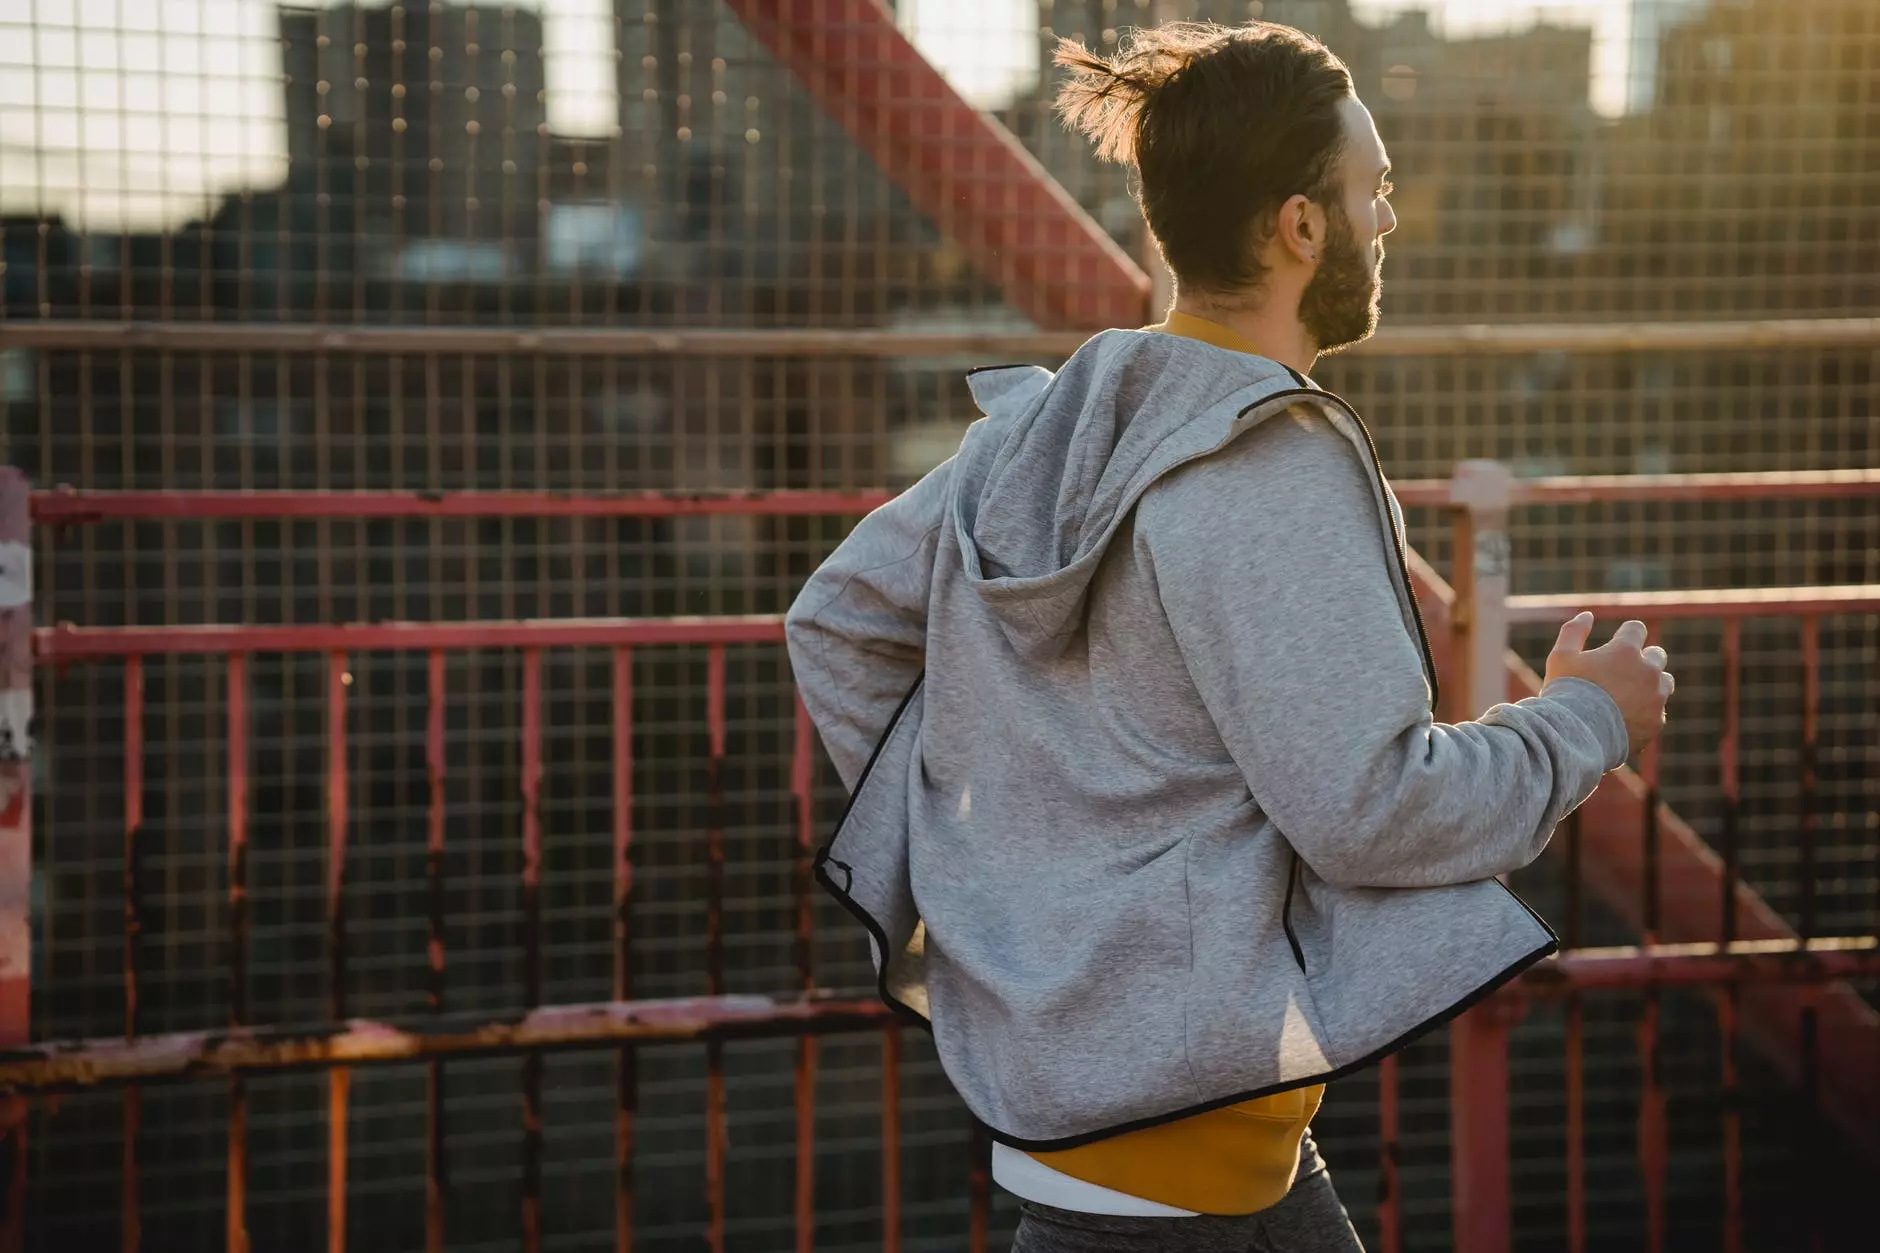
(681, 164)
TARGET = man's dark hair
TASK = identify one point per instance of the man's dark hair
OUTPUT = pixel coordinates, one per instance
(1223, 124)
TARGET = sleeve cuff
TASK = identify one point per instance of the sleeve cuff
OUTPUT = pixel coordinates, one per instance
(1598, 710)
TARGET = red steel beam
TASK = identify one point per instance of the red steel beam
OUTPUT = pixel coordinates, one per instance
(1691, 875)
(78, 1064)
(67, 643)
(978, 184)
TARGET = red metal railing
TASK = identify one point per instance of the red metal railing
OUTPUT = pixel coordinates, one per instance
(1624, 846)
(339, 1044)
(1654, 867)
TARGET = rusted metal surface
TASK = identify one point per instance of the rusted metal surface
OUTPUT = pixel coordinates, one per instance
(1728, 1002)
(717, 1134)
(66, 1065)
(436, 1175)
(1389, 1196)
(1480, 1197)
(130, 1203)
(133, 824)
(339, 1082)
(1808, 1134)
(235, 1238)
(67, 643)
(338, 1097)
(338, 680)
(891, 1138)
(1748, 602)
(1730, 1096)
(1805, 869)
(1653, 1146)
(803, 795)
(532, 943)
(1727, 751)
(237, 1199)
(971, 178)
(1752, 965)
(78, 1064)
(64, 507)
(1467, 339)
(1850, 1028)
(1575, 1043)
(626, 1078)
(1572, 926)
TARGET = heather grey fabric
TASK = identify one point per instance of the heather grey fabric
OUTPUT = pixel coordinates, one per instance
(1168, 824)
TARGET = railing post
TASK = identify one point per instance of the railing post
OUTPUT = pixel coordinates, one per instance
(16, 826)
(1478, 1126)
(1481, 494)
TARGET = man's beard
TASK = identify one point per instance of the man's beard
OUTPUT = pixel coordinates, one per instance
(1339, 306)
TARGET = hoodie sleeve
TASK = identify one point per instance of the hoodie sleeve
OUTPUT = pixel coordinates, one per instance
(1275, 572)
(857, 633)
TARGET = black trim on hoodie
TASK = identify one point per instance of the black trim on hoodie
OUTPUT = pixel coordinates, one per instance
(825, 859)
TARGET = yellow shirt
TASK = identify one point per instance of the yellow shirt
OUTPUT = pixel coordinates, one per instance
(1227, 1161)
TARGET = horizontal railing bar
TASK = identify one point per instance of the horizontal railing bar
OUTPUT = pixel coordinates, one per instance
(1746, 485)
(64, 506)
(1745, 602)
(1391, 340)
(1568, 489)
(1745, 961)
(67, 643)
(78, 1064)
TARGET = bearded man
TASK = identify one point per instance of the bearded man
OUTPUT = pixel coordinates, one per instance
(1153, 823)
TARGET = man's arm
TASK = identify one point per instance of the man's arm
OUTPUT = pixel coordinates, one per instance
(857, 633)
(1278, 583)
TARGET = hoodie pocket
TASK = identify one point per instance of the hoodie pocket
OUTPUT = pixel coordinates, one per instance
(1285, 913)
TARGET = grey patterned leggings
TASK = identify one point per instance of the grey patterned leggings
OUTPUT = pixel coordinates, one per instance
(1310, 1219)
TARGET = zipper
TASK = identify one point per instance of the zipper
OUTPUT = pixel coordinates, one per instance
(1285, 914)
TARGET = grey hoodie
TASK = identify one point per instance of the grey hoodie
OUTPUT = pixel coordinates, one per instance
(1150, 815)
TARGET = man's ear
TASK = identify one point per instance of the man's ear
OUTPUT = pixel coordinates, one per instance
(1300, 229)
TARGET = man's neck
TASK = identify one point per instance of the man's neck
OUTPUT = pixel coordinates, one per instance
(1264, 332)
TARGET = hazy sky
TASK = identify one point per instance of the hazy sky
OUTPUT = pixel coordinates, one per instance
(139, 114)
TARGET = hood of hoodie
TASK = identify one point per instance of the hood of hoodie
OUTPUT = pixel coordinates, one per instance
(1040, 486)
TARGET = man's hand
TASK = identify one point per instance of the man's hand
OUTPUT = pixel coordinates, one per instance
(1633, 675)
